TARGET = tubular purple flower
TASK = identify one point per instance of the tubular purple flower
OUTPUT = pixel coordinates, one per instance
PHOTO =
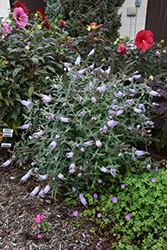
(69, 155)
(111, 112)
(37, 134)
(6, 28)
(98, 143)
(119, 94)
(26, 126)
(102, 88)
(72, 170)
(6, 163)
(62, 119)
(81, 114)
(154, 93)
(94, 100)
(64, 105)
(72, 166)
(82, 71)
(130, 101)
(89, 143)
(105, 170)
(50, 116)
(45, 98)
(46, 189)
(137, 110)
(60, 176)
(113, 172)
(116, 107)
(108, 70)
(57, 136)
(119, 112)
(73, 189)
(43, 177)
(91, 52)
(103, 129)
(80, 175)
(133, 91)
(78, 60)
(91, 85)
(112, 123)
(35, 191)
(20, 17)
(53, 144)
(82, 149)
(82, 199)
(41, 193)
(140, 152)
(26, 176)
(76, 144)
(27, 103)
(79, 99)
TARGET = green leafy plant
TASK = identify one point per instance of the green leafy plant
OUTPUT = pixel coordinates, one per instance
(132, 209)
(84, 126)
(27, 56)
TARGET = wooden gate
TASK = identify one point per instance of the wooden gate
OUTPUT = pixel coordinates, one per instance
(32, 5)
(156, 19)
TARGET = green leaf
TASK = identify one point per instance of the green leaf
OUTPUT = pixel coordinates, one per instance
(30, 91)
(35, 60)
(16, 71)
(14, 115)
(50, 68)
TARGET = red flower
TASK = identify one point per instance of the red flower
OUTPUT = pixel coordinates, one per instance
(22, 5)
(144, 40)
(121, 49)
(62, 24)
(43, 16)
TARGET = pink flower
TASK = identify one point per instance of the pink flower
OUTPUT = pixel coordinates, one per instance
(6, 28)
(121, 49)
(20, 17)
(35, 227)
(144, 40)
(42, 217)
(38, 220)
(75, 213)
(38, 236)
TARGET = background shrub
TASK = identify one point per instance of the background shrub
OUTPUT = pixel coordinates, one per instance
(79, 14)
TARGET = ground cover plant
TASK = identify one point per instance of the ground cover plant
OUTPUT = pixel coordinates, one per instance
(84, 114)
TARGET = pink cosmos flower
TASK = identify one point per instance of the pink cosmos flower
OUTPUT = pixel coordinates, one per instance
(6, 28)
(20, 17)
(122, 49)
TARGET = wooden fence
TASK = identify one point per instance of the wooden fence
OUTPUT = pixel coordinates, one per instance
(156, 19)
(32, 5)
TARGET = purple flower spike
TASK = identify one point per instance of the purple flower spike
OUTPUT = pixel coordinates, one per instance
(94, 99)
(46, 189)
(26, 126)
(50, 116)
(69, 155)
(45, 98)
(27, 103)
(105, 170)
(113, 172)
(153, 180)
(82, 199)
(35, 191)
(52, 144)
(61, 176)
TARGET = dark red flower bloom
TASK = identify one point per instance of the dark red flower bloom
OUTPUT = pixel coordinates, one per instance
(144, 40)
(43, 16)
(121, 49)
(62, 24)
(22, 5)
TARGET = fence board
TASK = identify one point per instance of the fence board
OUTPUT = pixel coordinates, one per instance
(32, 5)
(156, 19)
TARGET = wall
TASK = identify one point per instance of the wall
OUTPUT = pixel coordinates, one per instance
(131, 25)
(4, 8)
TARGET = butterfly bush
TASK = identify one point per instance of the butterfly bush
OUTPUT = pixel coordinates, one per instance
(78, 143)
